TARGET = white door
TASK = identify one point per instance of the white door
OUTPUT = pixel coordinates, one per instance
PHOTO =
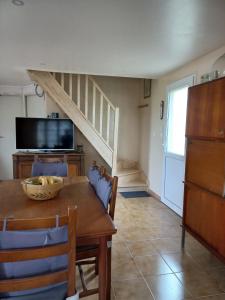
(10, 108)
(174, 145)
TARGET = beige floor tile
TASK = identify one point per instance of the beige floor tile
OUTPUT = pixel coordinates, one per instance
(205, 259)
(152, 265)
(199, 283)
(141, 248)
(120, 250)
(218, 275)
(216, 297)
(167, 287)
(135, 289)
(180, 261)
(167, 245)
(123, 269)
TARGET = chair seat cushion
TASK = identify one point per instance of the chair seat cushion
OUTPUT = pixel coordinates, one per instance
(94, 176)
(104, 190)
(49, 169)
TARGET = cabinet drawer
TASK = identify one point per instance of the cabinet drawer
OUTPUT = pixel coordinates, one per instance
(206, 110)
(204, 215)
(205, 165)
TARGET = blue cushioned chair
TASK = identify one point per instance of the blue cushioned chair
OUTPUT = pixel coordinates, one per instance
(94, 175)
(105, 187)
(49, 169)
(45, 265)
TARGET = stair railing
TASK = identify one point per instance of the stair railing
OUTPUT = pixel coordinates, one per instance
(95, 107)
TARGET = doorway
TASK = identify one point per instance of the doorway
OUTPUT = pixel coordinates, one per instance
(174, 145)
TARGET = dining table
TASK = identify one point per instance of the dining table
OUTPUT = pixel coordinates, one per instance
(93, 222)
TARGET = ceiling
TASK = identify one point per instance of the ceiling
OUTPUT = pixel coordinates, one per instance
(133, 38)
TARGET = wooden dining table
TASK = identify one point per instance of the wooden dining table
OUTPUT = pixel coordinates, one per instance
(93, 224)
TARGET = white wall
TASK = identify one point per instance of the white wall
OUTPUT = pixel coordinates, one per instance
(156, 127)
(125, 93)
(10, 108)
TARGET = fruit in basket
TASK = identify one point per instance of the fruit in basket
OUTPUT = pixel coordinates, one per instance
(42, 187)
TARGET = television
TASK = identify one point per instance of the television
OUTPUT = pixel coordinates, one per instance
(44, 134)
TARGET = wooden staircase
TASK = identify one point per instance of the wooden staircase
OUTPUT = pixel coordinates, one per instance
(80, 97)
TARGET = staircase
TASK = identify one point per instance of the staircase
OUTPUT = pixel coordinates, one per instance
(80, 97)
(131, 178)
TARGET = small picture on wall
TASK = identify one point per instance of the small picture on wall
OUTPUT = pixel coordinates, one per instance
(147, 88)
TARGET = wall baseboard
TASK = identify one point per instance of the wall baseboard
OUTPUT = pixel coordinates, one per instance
(154, 194)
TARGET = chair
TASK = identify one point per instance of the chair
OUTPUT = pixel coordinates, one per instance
(106, 190)
(49, 167)
(42, 268)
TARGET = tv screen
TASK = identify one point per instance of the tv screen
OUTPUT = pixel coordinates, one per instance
(44, 134)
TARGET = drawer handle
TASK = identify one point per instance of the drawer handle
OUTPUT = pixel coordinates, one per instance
(221, 132)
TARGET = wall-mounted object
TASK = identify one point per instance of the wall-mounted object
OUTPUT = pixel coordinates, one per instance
(143, 105)
(147, 88)
(161, 109)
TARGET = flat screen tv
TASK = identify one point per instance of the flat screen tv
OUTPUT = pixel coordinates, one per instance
(44, 134)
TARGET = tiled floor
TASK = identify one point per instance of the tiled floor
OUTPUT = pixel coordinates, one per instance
(148, 263)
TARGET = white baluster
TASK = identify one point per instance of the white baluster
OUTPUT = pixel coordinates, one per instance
(86, 96)
(62, 80)
(71, 86)
(108, 122)
(101, 114)
(93, 108)
(115, 140)
(78, 91)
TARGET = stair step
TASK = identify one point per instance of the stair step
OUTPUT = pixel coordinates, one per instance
(126, 172)
(133, 186)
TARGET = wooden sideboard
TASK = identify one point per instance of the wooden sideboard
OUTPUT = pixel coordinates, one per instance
(204, 195)
(22, 162)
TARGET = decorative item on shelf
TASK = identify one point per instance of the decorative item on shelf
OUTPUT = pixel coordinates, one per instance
(80, 148)
(42, 187)
(161, 110)
(147, 88)
(205, 77)
(54, 115)
(210, 76)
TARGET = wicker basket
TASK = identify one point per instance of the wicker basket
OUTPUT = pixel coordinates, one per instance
(42, 192)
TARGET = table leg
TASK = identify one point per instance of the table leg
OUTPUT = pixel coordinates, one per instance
(109, 257)
(104, 284)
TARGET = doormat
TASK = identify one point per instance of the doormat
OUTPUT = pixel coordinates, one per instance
(137, 194)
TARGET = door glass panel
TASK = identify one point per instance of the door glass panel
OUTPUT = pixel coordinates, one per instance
(177, 121)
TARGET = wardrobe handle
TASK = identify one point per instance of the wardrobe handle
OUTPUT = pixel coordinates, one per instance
(221, 132)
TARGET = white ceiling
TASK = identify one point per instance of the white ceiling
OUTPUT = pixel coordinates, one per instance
(134, 38)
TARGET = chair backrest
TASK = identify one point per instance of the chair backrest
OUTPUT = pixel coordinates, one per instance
(94, 175)
(34, 254)
(49, 167)
(106, 188)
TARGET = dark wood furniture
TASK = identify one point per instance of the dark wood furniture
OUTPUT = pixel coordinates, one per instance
(22, 162)
(16, 255)
(93, 223)
(204, 202)
(92, 251)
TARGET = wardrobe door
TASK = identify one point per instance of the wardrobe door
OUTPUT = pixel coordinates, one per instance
(205, 165)
(202, 215)
(198, 112)
(206, 111)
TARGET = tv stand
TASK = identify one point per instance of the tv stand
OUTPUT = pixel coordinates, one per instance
(22, 162)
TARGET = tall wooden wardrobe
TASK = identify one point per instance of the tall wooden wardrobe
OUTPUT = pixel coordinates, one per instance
(204, 196)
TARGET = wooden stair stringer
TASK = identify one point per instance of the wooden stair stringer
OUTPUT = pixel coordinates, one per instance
(49, 84)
